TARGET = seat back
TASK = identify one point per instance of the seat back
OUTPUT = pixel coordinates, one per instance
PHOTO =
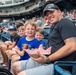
(5, 36)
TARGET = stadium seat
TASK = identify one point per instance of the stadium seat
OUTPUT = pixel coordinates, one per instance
(47, 31)
(5, 36)
(45, 40)
(58, 70)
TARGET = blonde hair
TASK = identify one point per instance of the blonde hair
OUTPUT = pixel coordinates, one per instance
(30, 22)
(21, 28)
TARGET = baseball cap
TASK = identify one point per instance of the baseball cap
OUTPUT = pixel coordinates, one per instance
(50, 7)
(11, 27)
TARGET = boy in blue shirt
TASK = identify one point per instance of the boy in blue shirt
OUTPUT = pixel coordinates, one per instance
(29, 39)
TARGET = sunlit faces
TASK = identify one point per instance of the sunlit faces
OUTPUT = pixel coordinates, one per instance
(21, 32)
(53, 16)
(39, 36)
(30, 30)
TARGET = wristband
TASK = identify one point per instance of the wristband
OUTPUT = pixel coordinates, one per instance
(48, 60)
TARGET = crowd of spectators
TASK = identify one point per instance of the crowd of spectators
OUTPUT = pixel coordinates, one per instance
(41, 23)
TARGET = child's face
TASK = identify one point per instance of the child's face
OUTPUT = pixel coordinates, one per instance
(39, 36)
(30, 30)
(12, 32)
(21, 32)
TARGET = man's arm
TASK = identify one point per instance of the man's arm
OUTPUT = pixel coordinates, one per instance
(68, 48)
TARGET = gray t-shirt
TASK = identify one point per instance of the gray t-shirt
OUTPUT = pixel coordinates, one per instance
(61, 31)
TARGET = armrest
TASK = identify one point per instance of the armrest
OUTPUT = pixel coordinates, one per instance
(61, 71)
(58, 64)
(65, 63)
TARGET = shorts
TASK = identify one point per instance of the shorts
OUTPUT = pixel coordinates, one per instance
(32, 67)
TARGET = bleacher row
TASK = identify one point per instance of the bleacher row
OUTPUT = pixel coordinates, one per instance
(5, 36)
(19, 8)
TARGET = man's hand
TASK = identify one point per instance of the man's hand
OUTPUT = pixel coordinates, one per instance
(42, 57)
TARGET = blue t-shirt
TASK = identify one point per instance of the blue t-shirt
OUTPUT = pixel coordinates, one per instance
(31, 44)
(42, 42)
